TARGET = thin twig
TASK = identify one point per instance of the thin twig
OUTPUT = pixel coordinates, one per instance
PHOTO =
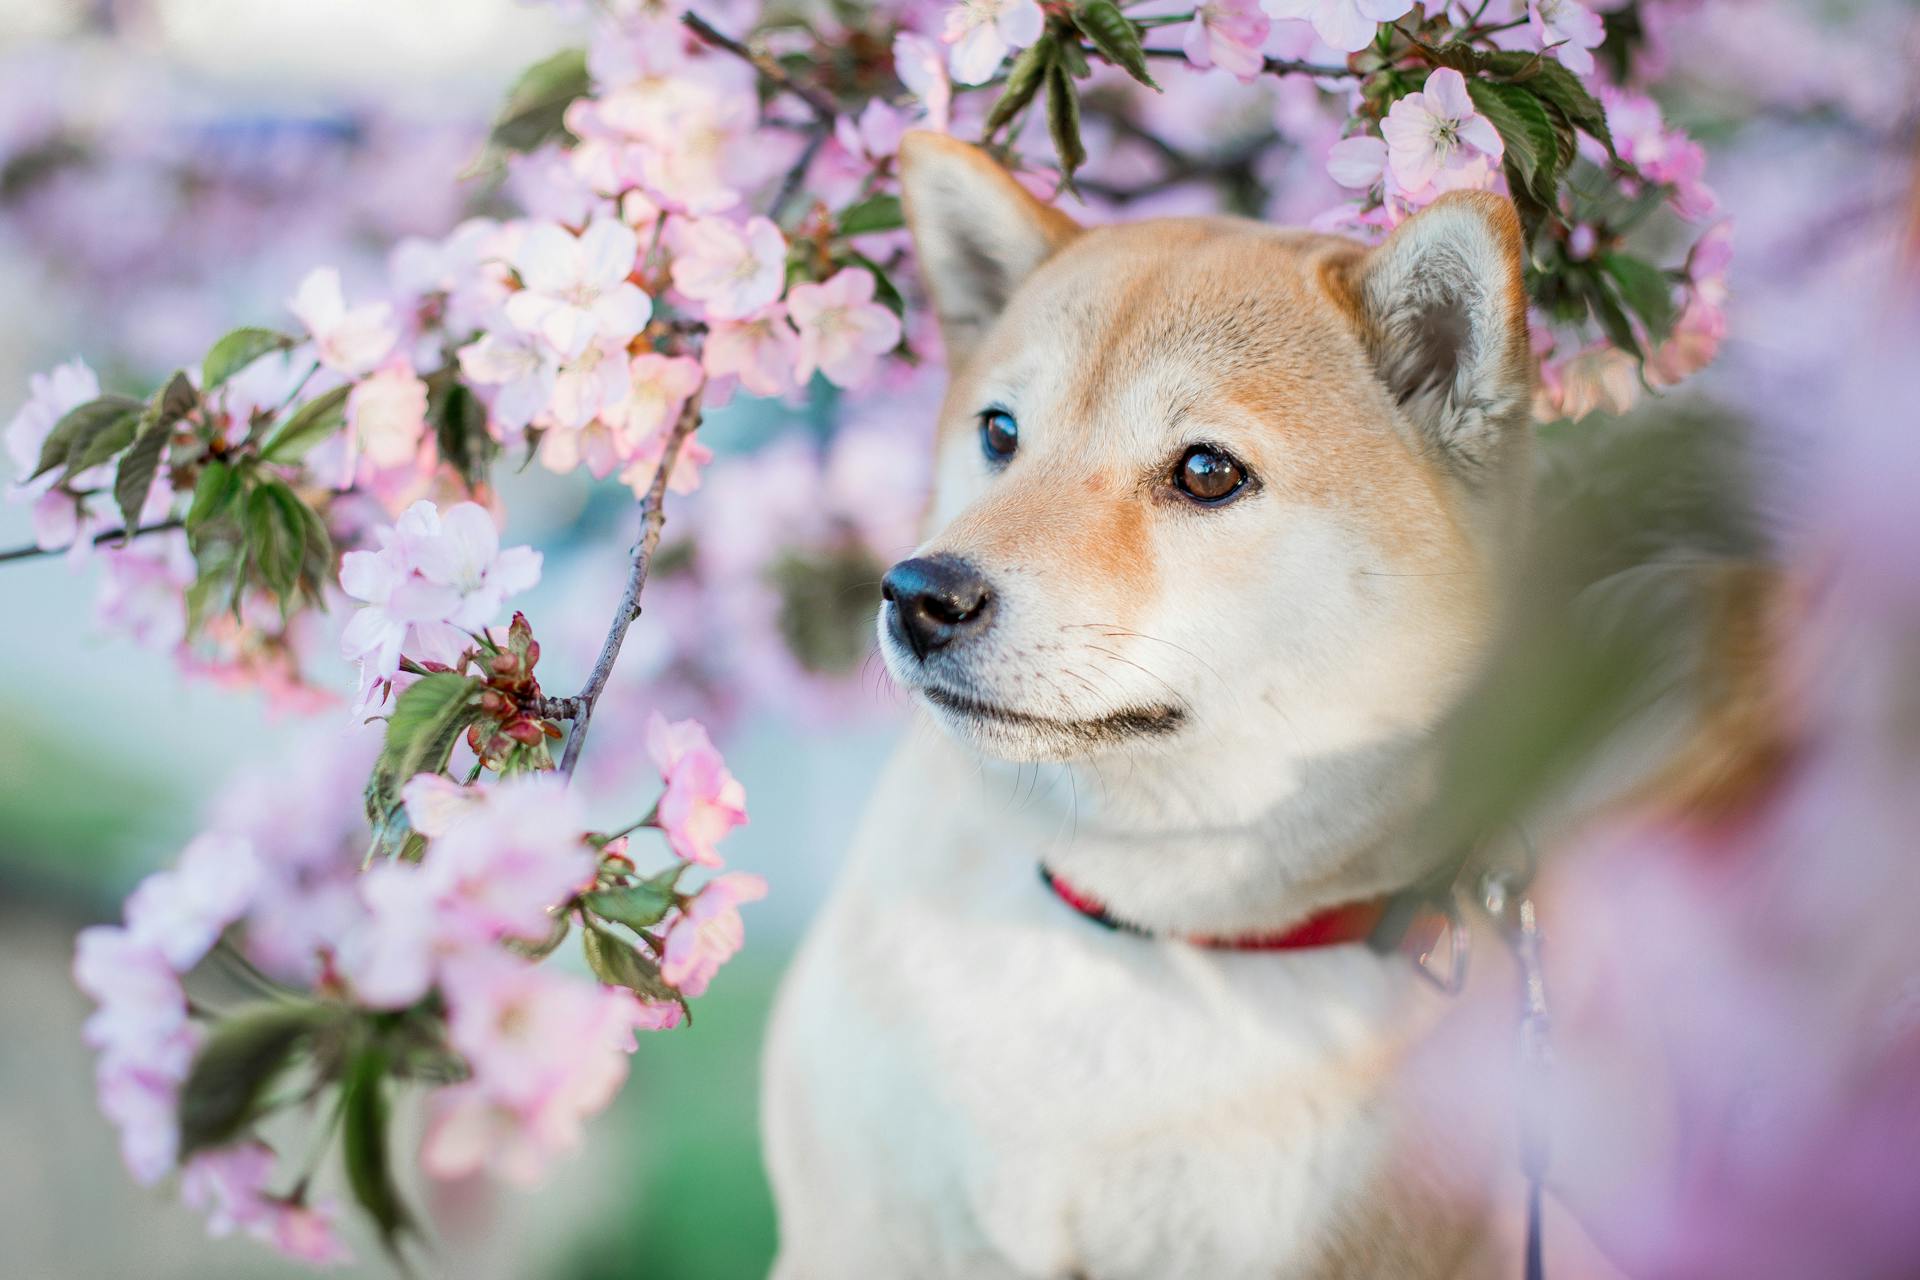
(653, 515)
(99, 540)
(790, 185)
(770, 71)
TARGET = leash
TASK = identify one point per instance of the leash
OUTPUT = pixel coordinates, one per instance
(1413, 923)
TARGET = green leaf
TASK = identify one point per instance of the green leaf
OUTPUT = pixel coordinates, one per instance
(81, 424)
(1559, 86)
(216, 490)
(615, 962)
(1613, 317)
(311, 423)
(1532, 152)
(96, 447)
(316, 553)
(276, 537)
(876, 213)
(236, 351)
(536, 107)
(134, 480)
(232, 1073)
(641, 905)
(364, 1146)
(428, 718)
(1116, 37)
(1023, 82)
(1063, 119)
(460, 430)
(1645, 289)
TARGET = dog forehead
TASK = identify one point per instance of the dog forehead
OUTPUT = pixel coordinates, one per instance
(1149, 320)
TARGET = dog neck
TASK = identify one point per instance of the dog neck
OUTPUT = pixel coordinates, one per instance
(1233, 839)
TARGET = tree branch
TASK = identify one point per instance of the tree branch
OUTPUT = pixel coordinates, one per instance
(99, 540)
(770, 71)
(653, 515)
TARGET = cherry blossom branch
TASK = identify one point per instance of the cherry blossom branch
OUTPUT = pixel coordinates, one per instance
(770, 71)
(99, 540)
(653, 516)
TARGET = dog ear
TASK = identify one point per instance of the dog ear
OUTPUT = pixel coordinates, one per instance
(977, 232)
(1443, 310)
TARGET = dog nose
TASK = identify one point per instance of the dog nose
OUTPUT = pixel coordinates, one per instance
(936, 600)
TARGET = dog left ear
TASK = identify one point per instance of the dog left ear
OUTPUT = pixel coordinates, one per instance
(1443, 310)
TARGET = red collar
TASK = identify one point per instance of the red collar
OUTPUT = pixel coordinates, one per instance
(1370, 921)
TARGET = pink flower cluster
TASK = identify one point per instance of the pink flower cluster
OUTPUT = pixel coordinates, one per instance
(702, 802)
(146, 1042)
(433, 581)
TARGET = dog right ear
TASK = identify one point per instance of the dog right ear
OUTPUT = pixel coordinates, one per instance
(977, 232)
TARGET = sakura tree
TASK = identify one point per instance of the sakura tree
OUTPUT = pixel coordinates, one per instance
(709, 210)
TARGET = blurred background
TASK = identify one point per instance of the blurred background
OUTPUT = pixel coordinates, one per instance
(170, 168)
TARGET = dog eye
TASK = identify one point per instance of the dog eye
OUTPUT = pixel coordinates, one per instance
(999, 435)
(1207, 474)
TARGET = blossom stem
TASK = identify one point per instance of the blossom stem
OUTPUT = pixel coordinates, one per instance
(653, 515)
(770, 71)
(99, 540)
(790, 185)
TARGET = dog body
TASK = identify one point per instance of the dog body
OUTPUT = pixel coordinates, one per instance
(1220, 527)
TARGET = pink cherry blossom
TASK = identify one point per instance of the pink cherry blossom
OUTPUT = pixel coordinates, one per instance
(1569, 28)
(645, 461)
(1358, 162)
(1228, 34)
(658, 387)
(50, 395)
(306, 1233)
(229, 1186)
(523, 367)
(499, 873)
(760, 351)
(518, 1024)
(1661, 153)
(843, 331)
(1346, 25)
(917, 61)
(232, 1186)
(143, 589)
(592, 381)
(458, 574)
(709, 932)
(144, 1039)
(546, 1050)
(703, 801)
(735, 271)
(576, 286)
(982, 32)
(352, 341)
(387, 414)
(435, 803)
(1437, 131)
(182, 911)
(874, 135)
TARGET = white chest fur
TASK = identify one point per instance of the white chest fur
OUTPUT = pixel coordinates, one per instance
(967, 1079)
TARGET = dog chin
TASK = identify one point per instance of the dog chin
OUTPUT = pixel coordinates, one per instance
(1024, 737)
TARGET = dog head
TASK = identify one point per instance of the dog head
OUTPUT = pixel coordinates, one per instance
(1206, 484)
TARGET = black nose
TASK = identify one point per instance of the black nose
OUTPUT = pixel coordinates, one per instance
(935, 601)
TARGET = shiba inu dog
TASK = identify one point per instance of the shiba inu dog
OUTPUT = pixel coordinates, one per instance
(1220, 531)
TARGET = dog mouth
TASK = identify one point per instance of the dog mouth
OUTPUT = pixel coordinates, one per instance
(1132, 722)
